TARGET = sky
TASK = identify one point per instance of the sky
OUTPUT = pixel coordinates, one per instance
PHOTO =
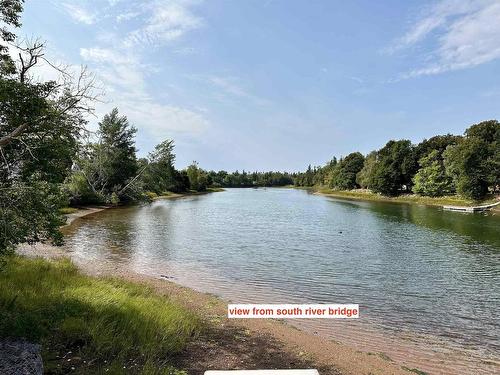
(280, 84)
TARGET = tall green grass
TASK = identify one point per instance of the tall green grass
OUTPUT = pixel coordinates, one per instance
(117, 326)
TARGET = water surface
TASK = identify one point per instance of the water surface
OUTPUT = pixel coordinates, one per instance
(427, 280)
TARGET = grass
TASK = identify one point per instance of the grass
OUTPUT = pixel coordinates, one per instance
(91, 325)
(406, 198)
(68, 210)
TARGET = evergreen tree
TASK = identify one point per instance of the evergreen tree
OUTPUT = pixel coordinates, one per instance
(117, 144)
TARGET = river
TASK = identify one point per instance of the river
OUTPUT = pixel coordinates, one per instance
(427, 280)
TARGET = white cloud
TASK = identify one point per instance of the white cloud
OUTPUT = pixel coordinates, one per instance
(123, 70)
(167, 21)
(79, 14)
(467, 34)
(122, 75)
(126, 16)
(228, 85)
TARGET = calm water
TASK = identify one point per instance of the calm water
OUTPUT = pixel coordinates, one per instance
(427, 281)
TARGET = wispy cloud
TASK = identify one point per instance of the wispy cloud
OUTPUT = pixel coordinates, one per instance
(228, 85)
(122, 74)
(466, 33)
(124, 70)
(122, 17)
(228, 89)
(166, 21)
(79, 13)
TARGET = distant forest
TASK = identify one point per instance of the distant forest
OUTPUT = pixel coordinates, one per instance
(49, 160)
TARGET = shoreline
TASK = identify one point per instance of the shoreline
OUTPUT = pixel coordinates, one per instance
(232, 343)
(363, 195)
(187, 194)
(289, 346)
(83, 211)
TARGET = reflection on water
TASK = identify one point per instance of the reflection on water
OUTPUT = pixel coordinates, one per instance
(416, 271)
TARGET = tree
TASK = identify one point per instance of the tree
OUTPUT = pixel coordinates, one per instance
(395, 168)
(10, 14)
(110, 165)
(431, 179)
(198, 178)
(466, 163)
(40, 123)
(363, 176)
(344, 175)
(437, 143)
(117, 143)
(489, 132)
(160, 175)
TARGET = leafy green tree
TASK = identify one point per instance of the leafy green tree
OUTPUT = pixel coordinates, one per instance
(29, 213)
(160, 175)
(198, 178)
(10, 14)
(431, 179)
(472, 163)
(40, 123)
(395, 168)
(489, 132)
(344, 176)
(363, 176)
(437, 143)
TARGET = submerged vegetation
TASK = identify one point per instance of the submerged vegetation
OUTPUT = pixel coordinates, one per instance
(108, 325)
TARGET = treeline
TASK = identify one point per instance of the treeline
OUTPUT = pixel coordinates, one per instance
(253, 179)
(109, 171)
(443, 165)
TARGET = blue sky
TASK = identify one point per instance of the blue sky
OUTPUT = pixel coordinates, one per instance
(279, 84)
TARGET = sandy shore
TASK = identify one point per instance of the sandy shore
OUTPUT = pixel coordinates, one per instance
(240, 343)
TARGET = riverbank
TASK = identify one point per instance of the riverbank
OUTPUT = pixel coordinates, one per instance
(217, 342)
(220, 343)
(172, 195)
(366, 195)
(73, 213)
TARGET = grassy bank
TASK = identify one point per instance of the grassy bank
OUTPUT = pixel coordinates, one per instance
(91, 325)
(406, 198)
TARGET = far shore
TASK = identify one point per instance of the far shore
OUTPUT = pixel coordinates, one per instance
(232, 344)
(172, 195)
(366, 195)
(73, 213)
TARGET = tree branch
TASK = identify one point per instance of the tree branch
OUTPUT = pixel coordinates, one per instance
(9, 137)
